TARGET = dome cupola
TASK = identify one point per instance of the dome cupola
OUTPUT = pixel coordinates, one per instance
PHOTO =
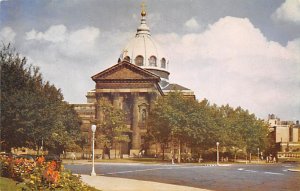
(145, 53)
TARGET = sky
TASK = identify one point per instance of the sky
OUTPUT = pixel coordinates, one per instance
(237, 52)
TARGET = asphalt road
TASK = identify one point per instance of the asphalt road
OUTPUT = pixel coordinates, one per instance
(235, 177)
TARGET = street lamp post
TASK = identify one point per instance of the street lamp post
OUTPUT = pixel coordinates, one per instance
(93, 173)
(217, 153)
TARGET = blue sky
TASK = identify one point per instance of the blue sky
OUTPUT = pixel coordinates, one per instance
(244, 53)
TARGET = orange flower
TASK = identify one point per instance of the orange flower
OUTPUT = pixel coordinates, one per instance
(40, 160)
(50, 174)
(53, 165)
(55, 176)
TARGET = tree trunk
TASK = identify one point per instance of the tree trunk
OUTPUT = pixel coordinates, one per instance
(234, 156)
(250, 158)
(163, 150)
(156, 150)
(120, 153)
(115, 150)
(172, 151)
(179, 152)
(103, 153)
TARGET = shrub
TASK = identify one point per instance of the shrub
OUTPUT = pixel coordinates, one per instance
(40, 175)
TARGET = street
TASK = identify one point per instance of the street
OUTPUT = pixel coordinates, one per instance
(233, 177)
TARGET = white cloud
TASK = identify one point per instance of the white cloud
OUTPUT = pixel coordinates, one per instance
(70, 43)
(192, 24)
(232, 62)
(289, 11)
(56, 33)
(70, 60)
(66, 58)
(7, 35)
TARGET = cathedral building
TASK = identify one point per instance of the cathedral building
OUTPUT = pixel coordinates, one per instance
(140, 76)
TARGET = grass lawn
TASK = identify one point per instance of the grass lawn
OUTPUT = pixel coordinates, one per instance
(7, 184)
(93, 189)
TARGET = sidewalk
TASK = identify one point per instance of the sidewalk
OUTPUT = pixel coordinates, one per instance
(122, 184)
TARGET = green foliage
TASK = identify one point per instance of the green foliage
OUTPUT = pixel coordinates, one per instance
(112, 129)
(200, 125)
(33, 110)
(7, 184)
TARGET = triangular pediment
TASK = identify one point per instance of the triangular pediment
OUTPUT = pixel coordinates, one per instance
(125, 71)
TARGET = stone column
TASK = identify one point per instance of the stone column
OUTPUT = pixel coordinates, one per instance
(136, 137)
(99, 112)
(116, 104)
(116, 100)
(154, 148)
(152, 99)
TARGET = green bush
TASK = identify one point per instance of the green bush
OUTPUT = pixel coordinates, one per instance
(41, 175)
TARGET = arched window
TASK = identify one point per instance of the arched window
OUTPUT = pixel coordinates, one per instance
(139, 60)
(152, 61)
(163, 63)
(127, 58)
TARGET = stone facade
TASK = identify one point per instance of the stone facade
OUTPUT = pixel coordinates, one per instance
(132, 89)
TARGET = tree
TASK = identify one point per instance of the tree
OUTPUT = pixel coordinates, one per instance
(243, 131)
(33, 110)
(112, 128)
(205, 130)
(169, 120)
(200, 125)
(159, 127)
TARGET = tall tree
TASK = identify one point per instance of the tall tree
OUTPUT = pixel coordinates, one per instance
(169, 120)
(159, 127)
(32, 110)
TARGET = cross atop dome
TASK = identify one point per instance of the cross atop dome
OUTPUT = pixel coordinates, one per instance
(143, 28)
(143, 12)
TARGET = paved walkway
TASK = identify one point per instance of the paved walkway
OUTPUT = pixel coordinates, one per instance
(122, 184)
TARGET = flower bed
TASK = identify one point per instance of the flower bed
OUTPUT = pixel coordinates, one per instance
(40, 175)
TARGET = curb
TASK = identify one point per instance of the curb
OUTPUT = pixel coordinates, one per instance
(293, 170)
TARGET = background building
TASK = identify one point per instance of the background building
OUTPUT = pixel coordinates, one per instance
(286, 135)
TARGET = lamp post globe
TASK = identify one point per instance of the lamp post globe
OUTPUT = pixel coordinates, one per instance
(217, 143)
(93, 173)
(94, 128)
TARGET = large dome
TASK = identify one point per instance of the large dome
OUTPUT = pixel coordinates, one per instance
(145, 53)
